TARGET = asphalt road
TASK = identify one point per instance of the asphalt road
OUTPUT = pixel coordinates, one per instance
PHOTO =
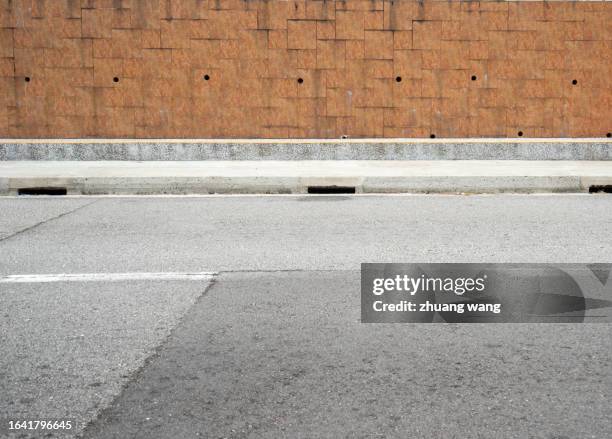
(272, 346)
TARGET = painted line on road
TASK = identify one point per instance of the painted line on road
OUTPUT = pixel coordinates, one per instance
(104, 277)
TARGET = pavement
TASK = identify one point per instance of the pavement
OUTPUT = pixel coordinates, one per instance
(257, 333)
(265, 177)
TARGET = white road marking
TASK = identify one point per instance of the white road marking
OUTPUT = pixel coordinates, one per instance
(103, 277)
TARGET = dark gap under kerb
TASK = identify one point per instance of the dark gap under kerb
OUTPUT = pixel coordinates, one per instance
(42, 191)
(598, 188)
(331, 189)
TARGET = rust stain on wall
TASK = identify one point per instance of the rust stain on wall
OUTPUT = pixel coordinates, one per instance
(305, 68)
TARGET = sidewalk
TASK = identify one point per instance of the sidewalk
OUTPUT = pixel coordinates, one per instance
(273, 177)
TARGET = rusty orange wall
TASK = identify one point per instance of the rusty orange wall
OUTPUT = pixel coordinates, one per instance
(304, 68)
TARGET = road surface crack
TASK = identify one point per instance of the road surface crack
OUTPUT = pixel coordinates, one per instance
(61, 215)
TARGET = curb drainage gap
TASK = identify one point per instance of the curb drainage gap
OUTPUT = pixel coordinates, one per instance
(331, 189)
(42, 191)
(600, 188)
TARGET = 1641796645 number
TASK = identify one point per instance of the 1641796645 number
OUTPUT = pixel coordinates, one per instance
(39, 424)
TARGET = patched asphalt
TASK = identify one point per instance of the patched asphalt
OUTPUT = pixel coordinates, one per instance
(284, 355)
(275, 347)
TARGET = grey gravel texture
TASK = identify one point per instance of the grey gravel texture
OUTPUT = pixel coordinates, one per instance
(283, 355)
(310, 232)
(275, 347)
(443, 149)
(67, 349)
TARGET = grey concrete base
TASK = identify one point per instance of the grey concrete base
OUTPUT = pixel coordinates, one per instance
(350, 149)
(278, 177)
